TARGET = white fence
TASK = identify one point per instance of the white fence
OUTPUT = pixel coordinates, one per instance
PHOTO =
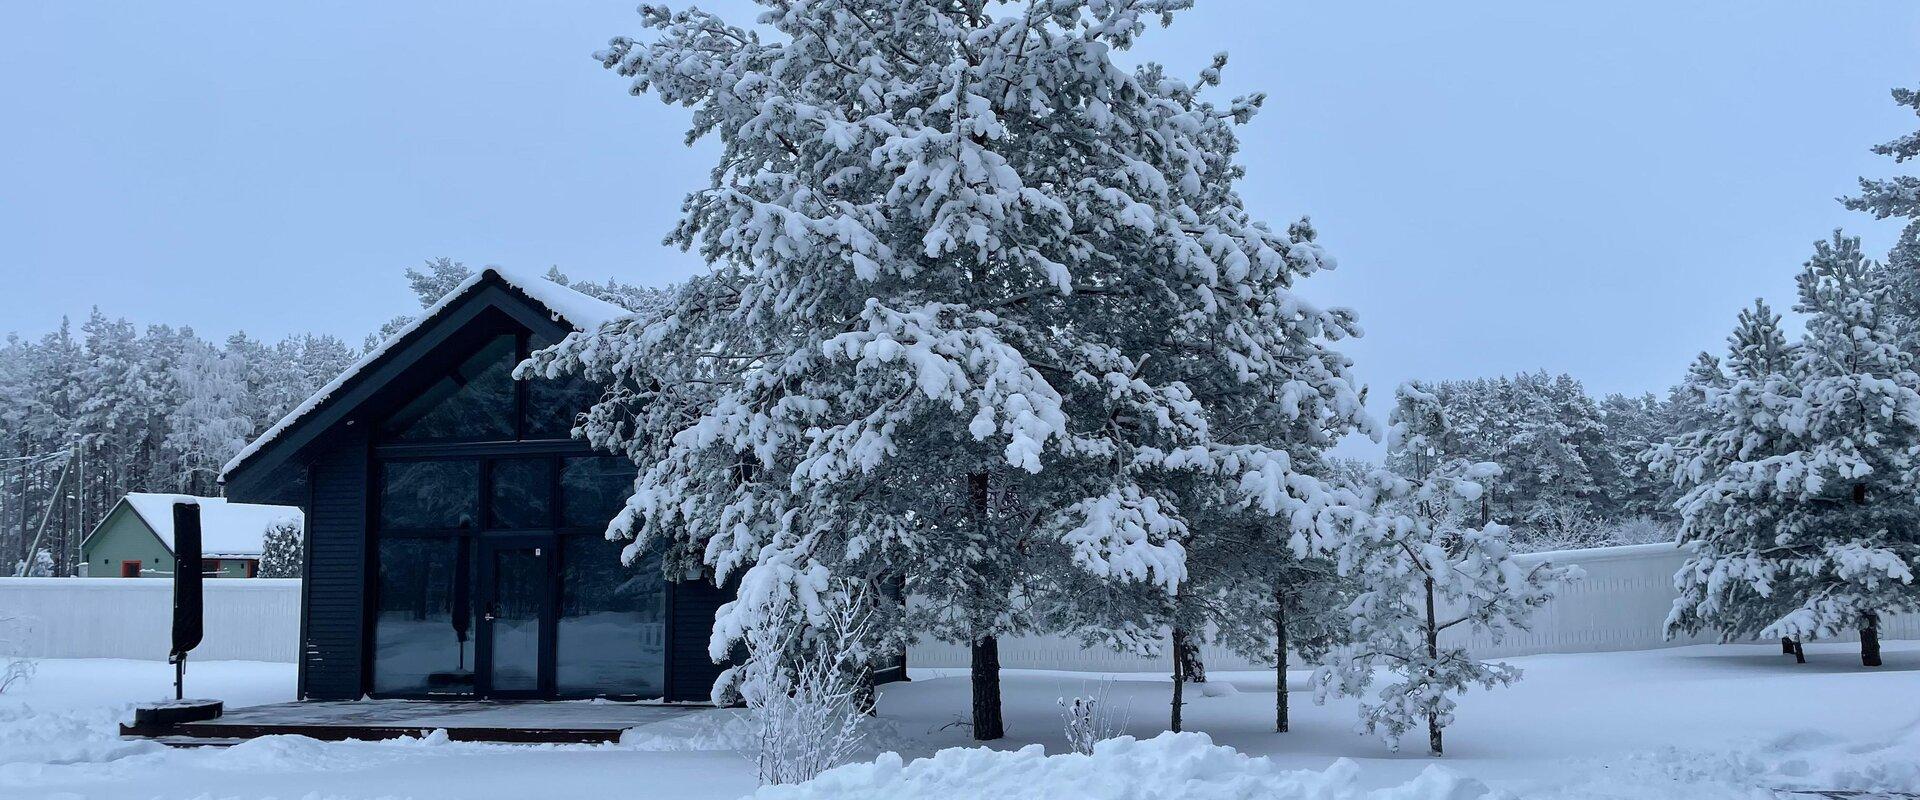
(247, 619)
(1620, 605)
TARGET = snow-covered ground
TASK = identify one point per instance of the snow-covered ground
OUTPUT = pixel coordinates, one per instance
(1694, 722)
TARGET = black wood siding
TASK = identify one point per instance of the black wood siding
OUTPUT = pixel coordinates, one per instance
(690, 672)
(332, 656)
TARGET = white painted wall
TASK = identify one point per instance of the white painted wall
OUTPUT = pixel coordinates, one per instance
(247, 619)
(1619, 606)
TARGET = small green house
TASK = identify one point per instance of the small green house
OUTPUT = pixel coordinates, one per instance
(135, 539)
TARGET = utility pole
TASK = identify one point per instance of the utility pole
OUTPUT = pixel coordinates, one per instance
(33, 549)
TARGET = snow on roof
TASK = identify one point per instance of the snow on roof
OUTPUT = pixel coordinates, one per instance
(226, 529)
(572, 306)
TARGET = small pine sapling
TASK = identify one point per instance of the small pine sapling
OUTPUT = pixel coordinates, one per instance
(282, 554)
(1428, 561)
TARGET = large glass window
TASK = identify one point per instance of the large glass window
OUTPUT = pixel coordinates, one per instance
(423, 630)
(522, 493)
(475, 401)
(595, 488)
(611, 637)
(425, 495)
(554, 405)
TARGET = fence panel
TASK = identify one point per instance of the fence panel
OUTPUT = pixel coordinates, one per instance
(1620, 605)
(247, 619)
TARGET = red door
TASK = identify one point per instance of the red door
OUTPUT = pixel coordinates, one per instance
(129, 569)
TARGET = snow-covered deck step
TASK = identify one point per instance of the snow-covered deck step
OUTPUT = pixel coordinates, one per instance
(465, 720)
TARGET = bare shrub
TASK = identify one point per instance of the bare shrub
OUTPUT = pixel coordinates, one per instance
(16, 668)
(1089, 719)
(809, 690)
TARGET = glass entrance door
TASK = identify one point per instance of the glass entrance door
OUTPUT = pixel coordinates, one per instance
(514, 609)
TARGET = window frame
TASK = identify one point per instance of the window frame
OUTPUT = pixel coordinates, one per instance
(523, 347)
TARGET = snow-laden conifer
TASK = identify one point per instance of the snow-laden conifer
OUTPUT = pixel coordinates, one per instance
(1799, 517)
(976, 293)
(1425, 561)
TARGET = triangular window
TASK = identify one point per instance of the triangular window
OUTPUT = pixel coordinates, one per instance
(473, 401)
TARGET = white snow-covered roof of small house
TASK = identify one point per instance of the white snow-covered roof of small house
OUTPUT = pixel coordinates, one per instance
(227, 530)
(571, 306)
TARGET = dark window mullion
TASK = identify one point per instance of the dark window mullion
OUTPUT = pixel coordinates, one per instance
(520, 391)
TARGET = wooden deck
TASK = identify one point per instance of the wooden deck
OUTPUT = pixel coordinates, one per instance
(529, 721)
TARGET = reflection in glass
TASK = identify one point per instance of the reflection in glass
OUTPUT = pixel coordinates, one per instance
(522, 493)
(554, 404)
(612, 631)
(474, 401)
(596, 487)
(520, 581)
(421, 631)
(417, 495)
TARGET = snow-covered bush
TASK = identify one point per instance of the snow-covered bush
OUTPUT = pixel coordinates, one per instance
(807, 687)
(284, 550)
(40, 567)
(1579, 532)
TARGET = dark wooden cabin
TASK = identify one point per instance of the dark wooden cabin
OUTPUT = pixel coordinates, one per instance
(455, 531)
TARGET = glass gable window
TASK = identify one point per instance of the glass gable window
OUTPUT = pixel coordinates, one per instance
(612, 624)
(522, 493)
(594, 489)
(475, 401)
(555, 404)
(492, 578)
(429, 495)
(422, 640)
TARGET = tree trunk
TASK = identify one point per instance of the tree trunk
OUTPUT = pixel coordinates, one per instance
(987, 724)
(1870, 640)
(1799, 652)
(1434, 744)
(1179, 678)
(1786, 645)
(1192, 668)
(1280, 662)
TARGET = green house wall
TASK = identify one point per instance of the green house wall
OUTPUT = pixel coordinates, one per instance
(124, 536)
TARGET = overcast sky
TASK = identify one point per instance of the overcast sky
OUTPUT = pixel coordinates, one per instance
(1590, 187)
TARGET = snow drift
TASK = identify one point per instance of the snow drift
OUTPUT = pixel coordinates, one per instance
(1184, 765)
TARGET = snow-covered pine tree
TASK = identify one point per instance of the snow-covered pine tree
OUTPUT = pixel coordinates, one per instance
(1426, 561)
(965, 273)
(1898, 196)
(210, 424)
(284, 551)
(647, 301)
(1726, 422)
(1800, 518)
(434, 279)
(1627, 488)
(1852, 528)
(1548, 434)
